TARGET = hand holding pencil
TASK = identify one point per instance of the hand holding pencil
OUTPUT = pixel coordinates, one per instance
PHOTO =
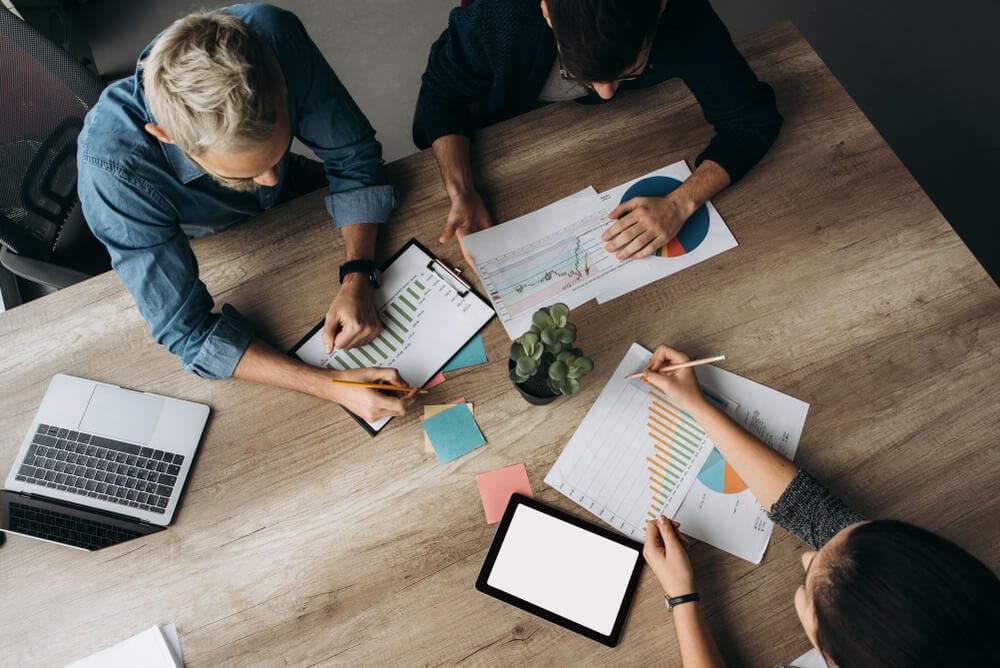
(370, 393)
(669, 370)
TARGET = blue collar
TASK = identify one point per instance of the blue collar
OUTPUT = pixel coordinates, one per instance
(184, 169)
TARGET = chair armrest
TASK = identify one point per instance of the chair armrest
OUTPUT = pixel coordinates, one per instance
(45, 273)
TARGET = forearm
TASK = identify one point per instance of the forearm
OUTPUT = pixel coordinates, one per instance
(766, 472)
(698, 649)
(453, 155)
(262, 363)
(359, 241)
(705, 182)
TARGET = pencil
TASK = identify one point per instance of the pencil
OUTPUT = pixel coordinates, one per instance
(378, 386)
(674, 367)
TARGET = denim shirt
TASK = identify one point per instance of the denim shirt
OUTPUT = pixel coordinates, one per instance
(143, 198)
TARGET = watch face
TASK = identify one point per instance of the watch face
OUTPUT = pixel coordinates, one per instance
(375, 277)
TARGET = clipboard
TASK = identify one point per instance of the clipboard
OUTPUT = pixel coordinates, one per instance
(428, 313)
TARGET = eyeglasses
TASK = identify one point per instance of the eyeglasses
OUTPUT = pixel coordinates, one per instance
(647, 67)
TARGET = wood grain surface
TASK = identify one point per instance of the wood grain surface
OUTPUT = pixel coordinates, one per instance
(302, 541)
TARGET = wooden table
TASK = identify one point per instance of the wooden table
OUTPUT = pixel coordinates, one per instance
(303, 541)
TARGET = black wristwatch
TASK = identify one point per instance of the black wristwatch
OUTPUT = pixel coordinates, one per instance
(673, 602)
(367, 267)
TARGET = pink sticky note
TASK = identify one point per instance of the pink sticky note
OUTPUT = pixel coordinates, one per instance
(436, 380)
(496, 488)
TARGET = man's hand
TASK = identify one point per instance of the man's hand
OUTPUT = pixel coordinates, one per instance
(644, 224)
(666, 553)
(351, 320)
(468, 214)
(369, 404)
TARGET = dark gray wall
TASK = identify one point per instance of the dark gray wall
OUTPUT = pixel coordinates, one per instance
(926, 74)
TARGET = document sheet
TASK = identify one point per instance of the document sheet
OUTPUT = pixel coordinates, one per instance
(556, 254)
(636, 455)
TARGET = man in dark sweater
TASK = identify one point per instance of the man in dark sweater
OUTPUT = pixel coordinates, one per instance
(501, 58)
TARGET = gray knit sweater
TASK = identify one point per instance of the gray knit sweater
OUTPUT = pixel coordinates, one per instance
(809, 511)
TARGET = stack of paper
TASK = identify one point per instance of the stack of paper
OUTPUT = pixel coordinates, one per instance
(451, 430)
(556, 254)
(156, 647)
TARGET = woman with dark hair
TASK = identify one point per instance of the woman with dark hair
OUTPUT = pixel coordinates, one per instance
(876, 593)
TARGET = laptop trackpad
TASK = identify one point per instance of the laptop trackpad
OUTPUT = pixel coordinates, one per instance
(122, 414)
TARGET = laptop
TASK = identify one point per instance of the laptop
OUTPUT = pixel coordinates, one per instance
(100, 464)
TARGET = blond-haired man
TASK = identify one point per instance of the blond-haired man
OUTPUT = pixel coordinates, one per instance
(197, 140)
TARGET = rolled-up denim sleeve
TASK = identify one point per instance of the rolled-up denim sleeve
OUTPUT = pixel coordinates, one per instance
(152, 257)
(329, 122)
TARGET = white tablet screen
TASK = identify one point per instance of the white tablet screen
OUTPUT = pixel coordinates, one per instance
(564, 569)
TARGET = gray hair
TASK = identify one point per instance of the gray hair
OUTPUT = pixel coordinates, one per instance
(213, 83)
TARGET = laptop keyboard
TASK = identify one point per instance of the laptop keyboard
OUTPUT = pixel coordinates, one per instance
(101, 468)
(63, 528)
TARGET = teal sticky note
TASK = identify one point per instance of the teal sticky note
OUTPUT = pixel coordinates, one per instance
(453, 433)
(471, 354)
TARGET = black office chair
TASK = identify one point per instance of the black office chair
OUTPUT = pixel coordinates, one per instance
(46, 94)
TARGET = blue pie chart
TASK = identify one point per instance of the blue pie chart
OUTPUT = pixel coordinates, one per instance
(694, 230)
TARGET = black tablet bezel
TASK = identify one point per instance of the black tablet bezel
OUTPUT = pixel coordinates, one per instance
(482, 585)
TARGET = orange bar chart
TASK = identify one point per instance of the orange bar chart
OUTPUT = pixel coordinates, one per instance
(675, 439)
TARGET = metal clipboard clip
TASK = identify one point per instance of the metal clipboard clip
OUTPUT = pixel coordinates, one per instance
(451, 276)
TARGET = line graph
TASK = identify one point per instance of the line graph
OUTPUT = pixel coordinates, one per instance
(537, 274)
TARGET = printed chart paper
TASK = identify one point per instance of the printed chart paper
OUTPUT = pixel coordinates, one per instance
(555, 254)
(425, 321)
(718, 508)
(702, 236)
(634, 455)
(547, 256)
(631, 458)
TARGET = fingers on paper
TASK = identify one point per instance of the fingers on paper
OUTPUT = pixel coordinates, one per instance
(653, 546)
(670, 536)
(664, 355)
(620, 211)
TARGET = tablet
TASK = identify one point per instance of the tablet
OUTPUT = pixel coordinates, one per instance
(563, 569)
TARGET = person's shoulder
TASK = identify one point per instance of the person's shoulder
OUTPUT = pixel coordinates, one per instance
(500, 13)
(265, 19)
(114, 145)
(115, 127)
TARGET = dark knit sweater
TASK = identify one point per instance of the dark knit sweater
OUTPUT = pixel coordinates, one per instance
(810, 512)
(493, 59)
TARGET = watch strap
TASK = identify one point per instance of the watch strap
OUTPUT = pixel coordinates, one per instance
(367, 267)
(674, 601)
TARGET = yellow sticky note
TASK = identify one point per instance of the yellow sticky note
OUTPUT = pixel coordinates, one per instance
(433, 409)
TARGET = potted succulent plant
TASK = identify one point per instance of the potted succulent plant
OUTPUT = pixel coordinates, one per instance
(543, 362)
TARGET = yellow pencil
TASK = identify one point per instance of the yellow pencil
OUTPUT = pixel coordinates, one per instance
(378, 386)
(674, 367)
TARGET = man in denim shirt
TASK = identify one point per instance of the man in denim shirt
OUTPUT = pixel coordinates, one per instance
(198, 140)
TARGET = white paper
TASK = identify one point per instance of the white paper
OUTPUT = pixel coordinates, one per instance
(149, 649)
(564, 569)
(425, 321)
(811, 659)
(554, 254)
(702, 243)
(606, 465)
(635, 454)
(718, 509)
